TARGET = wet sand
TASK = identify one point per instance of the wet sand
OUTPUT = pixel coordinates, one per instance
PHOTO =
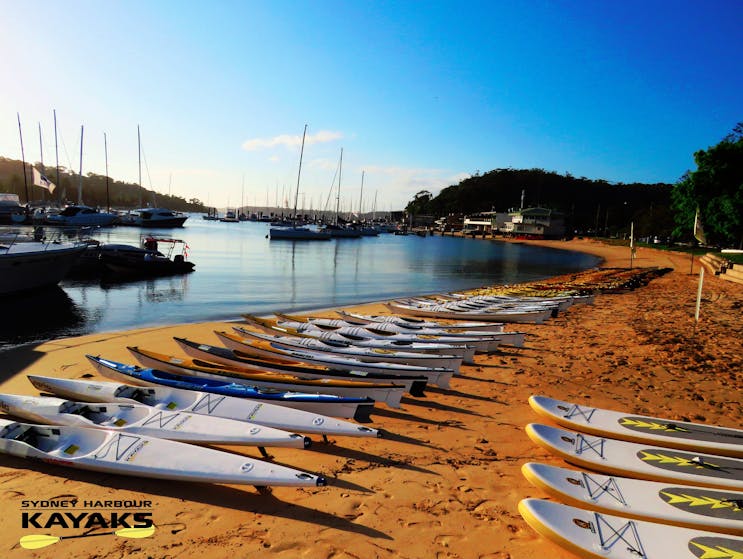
(446, 481)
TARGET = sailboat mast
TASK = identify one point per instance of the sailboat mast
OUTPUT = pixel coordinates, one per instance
(23, 157)
(299, 172)
(139, 158)
(41, 152)
(338, 195)
(56, 147)
(105, 152)
(361, 196)
(80, 181)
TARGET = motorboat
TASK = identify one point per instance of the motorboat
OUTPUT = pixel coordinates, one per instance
(82, 216)
(11, 211)
(153, 217)
(148, 260)
(35, 264)
(297, 233)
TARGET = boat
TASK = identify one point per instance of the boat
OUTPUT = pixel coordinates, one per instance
(138, 419)
(388, 393)
(371, 355)
(337, 406)
(415, 323)
(148, 261)
(511, 338)
(275, 350)
(230, 216)
(153, 217)
(339, 230)
(296, 232)
(242, 361)
(205, 403)
(115, 452)
(458, 350)
(25, 266)
(481, 344)
(11, 211)
(78, 215)
(449, 313)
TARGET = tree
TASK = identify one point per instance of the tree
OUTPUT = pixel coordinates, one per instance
(716, 190)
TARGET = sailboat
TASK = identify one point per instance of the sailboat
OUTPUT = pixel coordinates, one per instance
(335, 229)
(295, 232)
(365, 230)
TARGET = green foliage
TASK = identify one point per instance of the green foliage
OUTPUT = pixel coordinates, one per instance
(121, 195)
(588, 205)
(716, 188)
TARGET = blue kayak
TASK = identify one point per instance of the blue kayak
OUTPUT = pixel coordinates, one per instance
(338, 406)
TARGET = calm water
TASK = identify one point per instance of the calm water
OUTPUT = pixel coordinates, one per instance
(238, 270)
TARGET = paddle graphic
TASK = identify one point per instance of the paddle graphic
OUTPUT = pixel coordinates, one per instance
(37, 541)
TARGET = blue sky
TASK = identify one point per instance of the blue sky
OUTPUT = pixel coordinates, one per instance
(419, 95)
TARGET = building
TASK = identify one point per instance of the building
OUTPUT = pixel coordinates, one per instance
(484, 223)
(535, 222)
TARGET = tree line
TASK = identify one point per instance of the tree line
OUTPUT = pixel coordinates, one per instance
(119, 194)
(599, 207)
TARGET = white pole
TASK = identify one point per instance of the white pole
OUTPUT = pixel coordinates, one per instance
(699, 293)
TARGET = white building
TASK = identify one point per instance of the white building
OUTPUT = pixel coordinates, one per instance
(535, 222)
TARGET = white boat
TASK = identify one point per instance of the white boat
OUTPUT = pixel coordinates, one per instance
(81, 216)
(269, 326)
(361, 353)
(509, 338)
(32, 265)
(204, 403)
(11, 211)
(415, 323)
(153, 217)
(480, 343)
(138, 419)
(536, 316)
(116, 452)
(273, 350)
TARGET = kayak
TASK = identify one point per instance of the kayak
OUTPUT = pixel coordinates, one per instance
(275, 350)
(369, 355)
(116, 452)
(467, 353)
(244, 361)
(390, 394)
(413, 322)
(204, 403)
(337, 406)
(138, 419)
(432, 310)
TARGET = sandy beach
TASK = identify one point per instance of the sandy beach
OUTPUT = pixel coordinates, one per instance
(446, 481)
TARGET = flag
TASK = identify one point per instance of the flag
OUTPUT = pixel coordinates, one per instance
(698, 229)
(42, 181)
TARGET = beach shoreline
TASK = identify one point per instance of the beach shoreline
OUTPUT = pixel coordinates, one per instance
(447, 483)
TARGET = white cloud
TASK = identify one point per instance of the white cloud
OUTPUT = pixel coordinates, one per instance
(290, 141)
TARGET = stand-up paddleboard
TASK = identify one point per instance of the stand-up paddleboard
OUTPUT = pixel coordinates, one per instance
(204, 403)
(596, 535)
(641, 429)
(337, 406)
(639, 461)
(692, 507)
(113, 452)
(145, 420)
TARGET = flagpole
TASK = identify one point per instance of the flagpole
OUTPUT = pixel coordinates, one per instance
(105, 151)
(41, 151)
(80, 181)
(56, 149)
(23, 157)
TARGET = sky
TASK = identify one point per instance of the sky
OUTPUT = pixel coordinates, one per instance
(418, 95)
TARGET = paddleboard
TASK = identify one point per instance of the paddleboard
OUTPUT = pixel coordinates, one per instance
(204, 403)
(597, 535)
(114, 452)
(639, 428)
(637, 460)
(693, 507)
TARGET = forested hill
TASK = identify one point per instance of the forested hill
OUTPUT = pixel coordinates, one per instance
(587, 204)
(122, 195)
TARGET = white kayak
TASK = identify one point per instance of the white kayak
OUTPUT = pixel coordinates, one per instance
(413, 322)
(367, 354)
(117, 452)
(692, 507)
(467, 353)
(275, 350)
(145, 420)
(203, 403)
(642, 461)
(385, 328)
(442, 311)
(639, 428)
(596, 535)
